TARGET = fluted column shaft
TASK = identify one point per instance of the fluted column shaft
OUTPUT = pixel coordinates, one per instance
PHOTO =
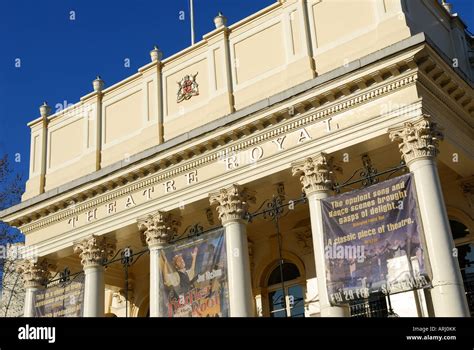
(418, 143)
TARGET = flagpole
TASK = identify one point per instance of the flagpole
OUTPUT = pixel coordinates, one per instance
(191, 10)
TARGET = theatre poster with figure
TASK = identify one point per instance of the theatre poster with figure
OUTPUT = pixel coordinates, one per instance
(373, 241)
(193, 279)
(64, 299)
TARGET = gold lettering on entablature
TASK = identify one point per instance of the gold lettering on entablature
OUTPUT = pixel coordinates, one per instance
(227, 160)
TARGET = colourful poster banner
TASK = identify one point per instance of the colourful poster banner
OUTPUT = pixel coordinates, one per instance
(61, 300)
(373, 241)
(193, 279)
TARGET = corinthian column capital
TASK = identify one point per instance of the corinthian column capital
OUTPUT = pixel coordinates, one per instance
(35, 273)
(158, 228)
(417, 139)
(94, 250)
(232, 202)
(316, 173)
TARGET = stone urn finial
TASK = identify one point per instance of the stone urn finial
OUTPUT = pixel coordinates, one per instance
(98, 84)
(156, 54)
(220, 20)
(45, 110)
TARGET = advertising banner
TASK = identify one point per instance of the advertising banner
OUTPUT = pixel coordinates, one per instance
(373, 241)
(61, 300)
(193, 279)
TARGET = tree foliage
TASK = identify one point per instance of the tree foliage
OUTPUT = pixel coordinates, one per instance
(11, 188)
(12, 290)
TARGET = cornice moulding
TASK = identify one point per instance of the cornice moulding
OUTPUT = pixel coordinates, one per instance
(310, 105)
(255, 138)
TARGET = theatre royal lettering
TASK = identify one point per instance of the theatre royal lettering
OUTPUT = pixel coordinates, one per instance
(282, 166)
(226, 160)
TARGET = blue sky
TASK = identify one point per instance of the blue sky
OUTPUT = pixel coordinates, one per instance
(60, 57)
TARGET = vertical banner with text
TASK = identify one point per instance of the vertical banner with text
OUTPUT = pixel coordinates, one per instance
(65, 299)
(373, 241)
(193, 281)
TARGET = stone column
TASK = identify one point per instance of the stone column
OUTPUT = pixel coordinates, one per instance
(419, 147)
(232, 205)
(316, 176)
(157, 228)
(35, 276)
(93, 252)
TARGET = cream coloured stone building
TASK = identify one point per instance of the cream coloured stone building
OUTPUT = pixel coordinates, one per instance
(267, 107)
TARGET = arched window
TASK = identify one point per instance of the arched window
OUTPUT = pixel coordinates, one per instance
(285, 295)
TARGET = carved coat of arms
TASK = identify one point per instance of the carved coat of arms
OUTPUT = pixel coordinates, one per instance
(188, 87)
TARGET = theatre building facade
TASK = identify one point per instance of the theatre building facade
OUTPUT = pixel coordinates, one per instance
(313, 159)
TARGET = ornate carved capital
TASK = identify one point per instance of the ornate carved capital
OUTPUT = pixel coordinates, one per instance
(418, 139)
(35, 273)
(158, 228)
(316, 173)
(94, 251)
(232, 202)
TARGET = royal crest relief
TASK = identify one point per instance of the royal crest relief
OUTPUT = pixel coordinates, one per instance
(188, 87)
